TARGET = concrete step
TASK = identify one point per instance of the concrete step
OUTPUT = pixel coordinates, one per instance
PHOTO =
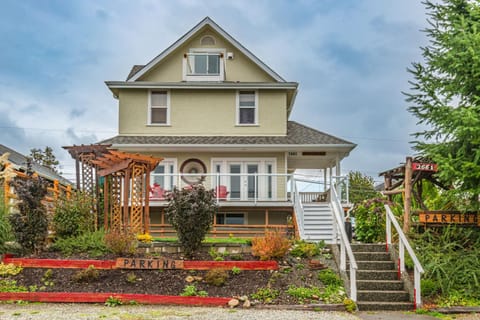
(384, 306)
(368, 247)
(372, 256)
(386, 285)
(383, 295)
(376, 265)
(376, 275)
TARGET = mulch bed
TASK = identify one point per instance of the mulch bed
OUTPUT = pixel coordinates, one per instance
(172, 282)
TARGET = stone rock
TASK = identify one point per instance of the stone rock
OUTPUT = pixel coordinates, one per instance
(197, 278)
(233, 303)
(189, 279)
(247, 304)
(243, 298)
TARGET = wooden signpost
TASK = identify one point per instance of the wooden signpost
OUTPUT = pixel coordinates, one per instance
(148, 264)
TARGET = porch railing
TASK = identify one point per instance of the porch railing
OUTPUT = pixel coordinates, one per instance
(402, 245)
(345, 248)
(251, 187)
(298, 207)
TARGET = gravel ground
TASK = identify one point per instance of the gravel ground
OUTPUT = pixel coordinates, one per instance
(43, 311)
(50, 311)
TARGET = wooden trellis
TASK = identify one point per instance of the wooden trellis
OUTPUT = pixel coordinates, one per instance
(126, 179)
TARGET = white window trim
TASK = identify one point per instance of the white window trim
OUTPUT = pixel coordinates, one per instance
(167, 162)
(237, 112)
(219, 77)
(245, 216)
(149, 116)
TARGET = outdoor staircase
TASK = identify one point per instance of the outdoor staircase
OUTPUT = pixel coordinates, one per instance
(317, 222)
(378, 286)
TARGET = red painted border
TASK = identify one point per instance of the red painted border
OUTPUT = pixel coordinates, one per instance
(80, 297)
(110, 264)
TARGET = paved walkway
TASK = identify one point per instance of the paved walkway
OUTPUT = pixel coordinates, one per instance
(50, 311)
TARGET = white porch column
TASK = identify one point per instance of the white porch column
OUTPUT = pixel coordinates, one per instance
(324, 180)
(338, 172)
(330, 173)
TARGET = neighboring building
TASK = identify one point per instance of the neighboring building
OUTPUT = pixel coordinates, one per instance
(19, 163)
(218, 115)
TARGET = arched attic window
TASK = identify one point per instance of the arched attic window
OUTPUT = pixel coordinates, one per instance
(207, 41)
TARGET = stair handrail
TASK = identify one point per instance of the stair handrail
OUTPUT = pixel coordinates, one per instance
(298, 206)
(403, 244)
(345, 248)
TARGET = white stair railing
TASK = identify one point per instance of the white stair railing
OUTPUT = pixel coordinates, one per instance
(298, 207)
(402, 245)
(345, 248)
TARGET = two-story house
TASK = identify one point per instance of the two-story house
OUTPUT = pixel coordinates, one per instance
(218, 115)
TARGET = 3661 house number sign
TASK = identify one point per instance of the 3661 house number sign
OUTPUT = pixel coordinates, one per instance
(421, 166)
(148, 264)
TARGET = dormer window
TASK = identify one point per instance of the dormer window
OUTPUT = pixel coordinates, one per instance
(205, 64)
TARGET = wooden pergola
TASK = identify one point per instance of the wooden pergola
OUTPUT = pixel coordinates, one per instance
(407, 180)
(126, 180)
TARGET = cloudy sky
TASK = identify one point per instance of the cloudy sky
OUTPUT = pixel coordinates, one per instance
(349, 56)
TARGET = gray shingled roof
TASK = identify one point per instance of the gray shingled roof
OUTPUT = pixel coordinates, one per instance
(20, 161)
(297, 134)
(134, 70)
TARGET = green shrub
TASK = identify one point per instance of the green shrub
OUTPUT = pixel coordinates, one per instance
(190, 211)
(91, 243)
(5, 227)
(86, 275)
(113, 302)
(370, 220)
(7, 285)
(191, 291)
(304, 249)
(73, 215)
(429, 287)
(304, 293)
(121, 242)
(329, 278)
(265, 295)
(216, 277)
(30, 224)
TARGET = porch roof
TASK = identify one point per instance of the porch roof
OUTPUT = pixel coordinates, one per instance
(298, 135)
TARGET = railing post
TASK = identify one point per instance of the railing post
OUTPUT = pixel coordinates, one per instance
(255, 177)
(353, 284)
(388, 239)
(417, 291)
(401, 255)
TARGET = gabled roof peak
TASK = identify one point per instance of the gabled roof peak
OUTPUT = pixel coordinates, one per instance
(136, 74)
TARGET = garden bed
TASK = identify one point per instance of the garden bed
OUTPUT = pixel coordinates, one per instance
(48, 278)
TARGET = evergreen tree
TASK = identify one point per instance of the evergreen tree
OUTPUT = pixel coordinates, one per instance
(445, 94)
(45, 158)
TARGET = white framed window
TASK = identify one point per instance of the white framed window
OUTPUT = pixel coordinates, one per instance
(159, 107)
(204, 64)
(238, 218)
(247, 107)
(164, 175)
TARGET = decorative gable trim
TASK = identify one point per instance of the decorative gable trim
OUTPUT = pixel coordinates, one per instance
(190, 34)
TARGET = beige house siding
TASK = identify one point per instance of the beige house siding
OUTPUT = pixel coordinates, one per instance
(240, 68)
(202, 112)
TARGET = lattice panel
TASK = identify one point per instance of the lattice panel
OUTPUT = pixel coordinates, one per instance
(136, 206)
(88, 183)
(116, 222)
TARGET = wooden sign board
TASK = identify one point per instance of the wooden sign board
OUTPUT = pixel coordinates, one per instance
(419, 166)
(448, 217)
(148, 264)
